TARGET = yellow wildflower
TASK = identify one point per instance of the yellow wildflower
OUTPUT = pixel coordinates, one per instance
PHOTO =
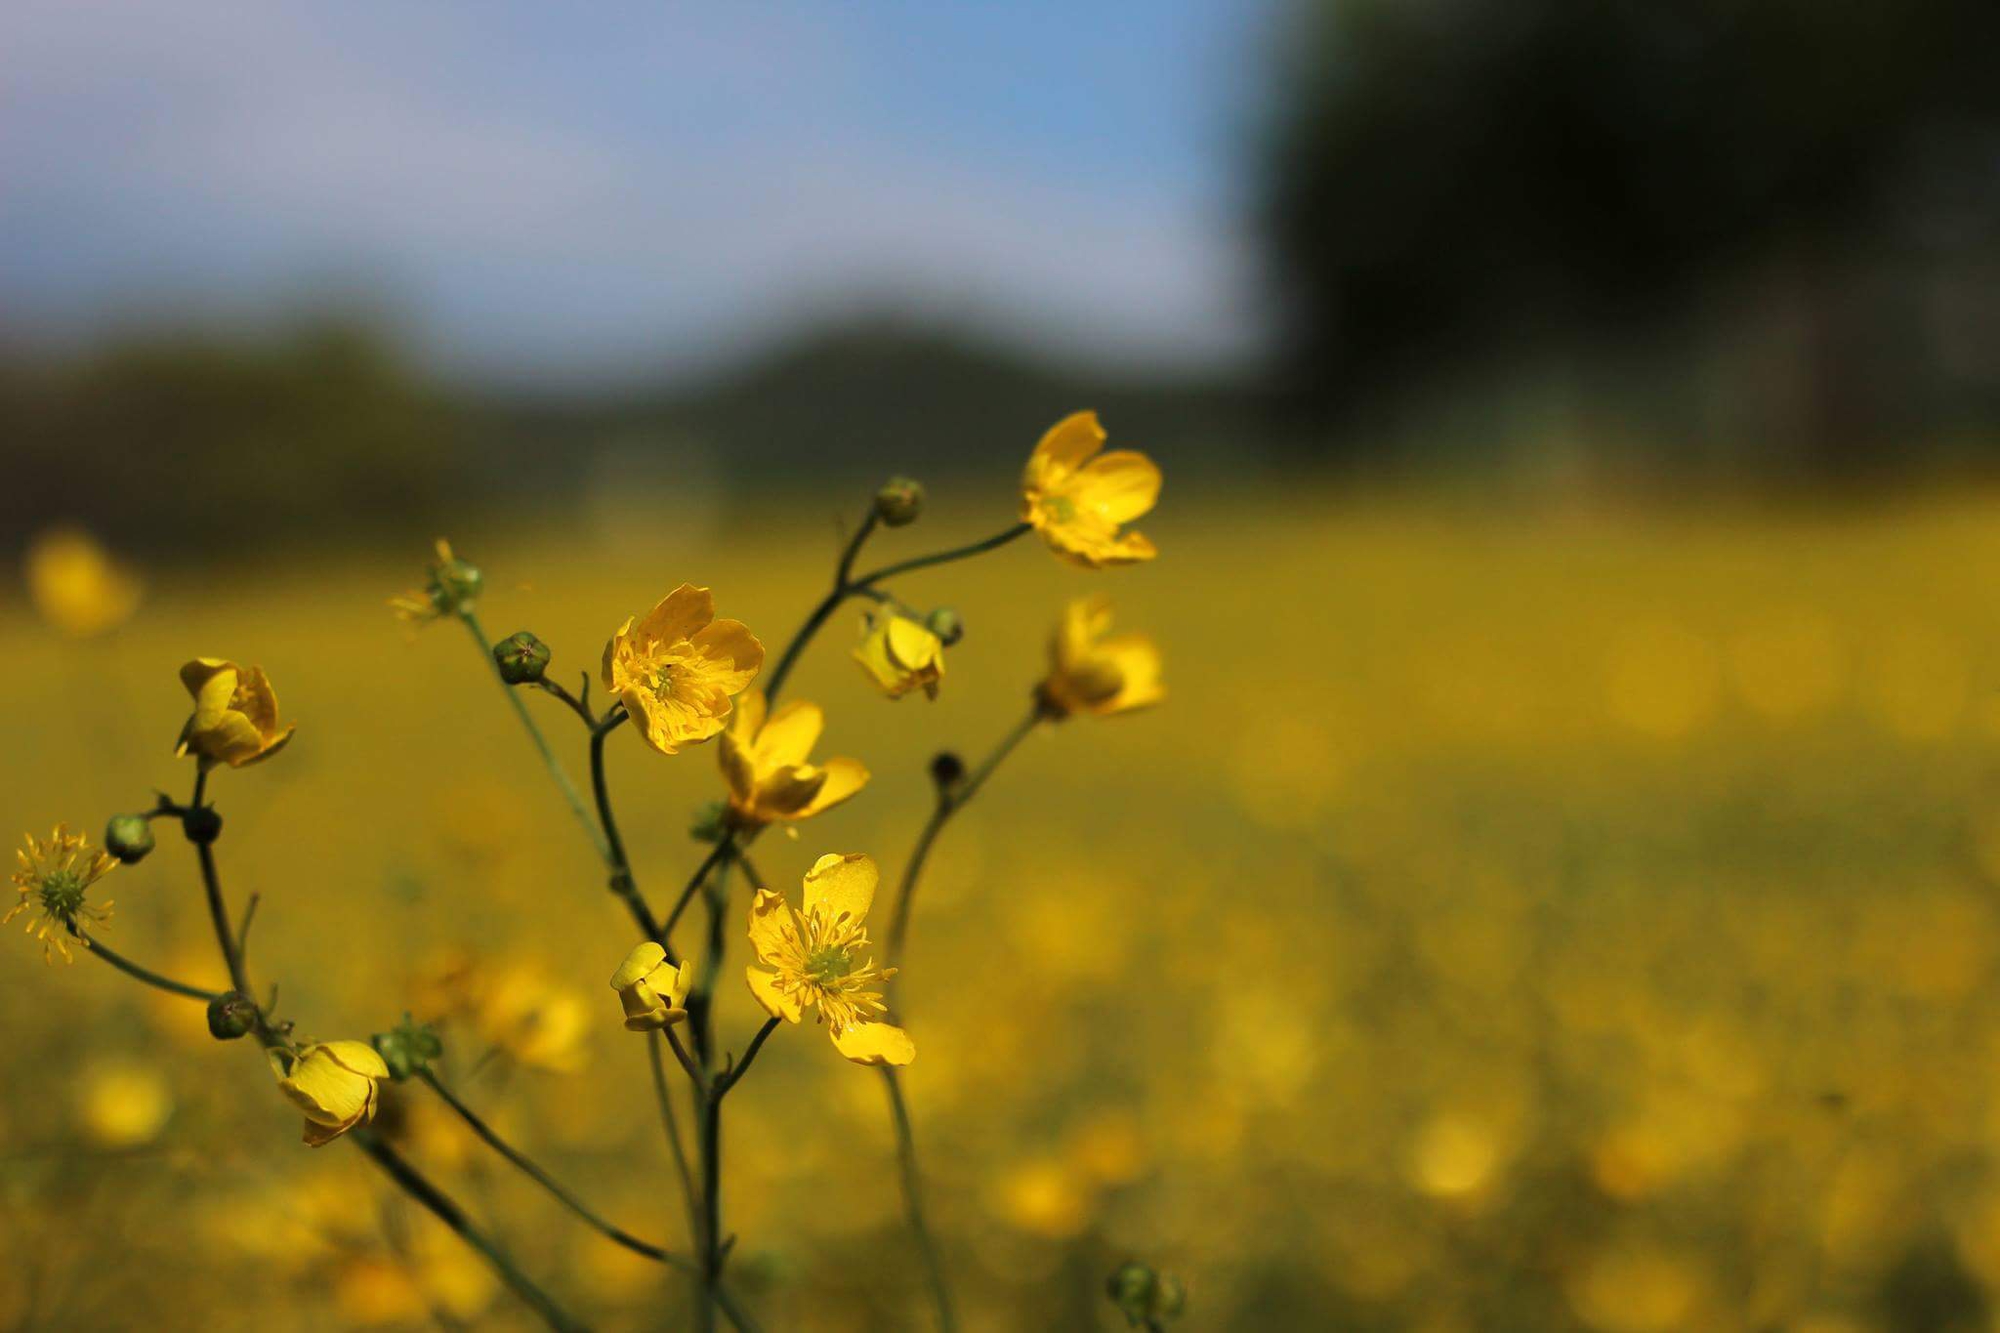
(533, 1020)
(336, 1083)
(235, 718)
(52, 879)
(1079, 502)
(640, 981)
(1091, 671)
(765, 762)
(453, 588)
(899, 654)
(676, 669)
(76, 585)
(817, 957)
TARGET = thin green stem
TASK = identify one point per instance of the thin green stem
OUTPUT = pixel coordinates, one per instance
(446, 1210)
(711, 1210)
(731, 1077)
(994, 542)
(950, 800)
(535, 1173)
(721, 851)
(913, 1203)
(622, 882)
(671, 1124)
(842, 587)
(569, 791)
(133, 970)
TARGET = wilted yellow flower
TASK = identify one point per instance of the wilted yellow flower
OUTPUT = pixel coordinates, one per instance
(676, 669)
(640, 982)
(817, 957)
(453, 588)
(1079, 502)
(765, 761)
(1091, 671)
(76, 586)
(336, 1083)
(52, 879)
(235, 718)
(899, 654)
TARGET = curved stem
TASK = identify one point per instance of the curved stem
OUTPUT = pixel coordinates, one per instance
(715, 857)
(913, 1203)
(447, 1211)
(535, 1173)
(622, 882)
(994, 542)
(842, 586)
(132, 969)
(742, 1067)
(569, 791)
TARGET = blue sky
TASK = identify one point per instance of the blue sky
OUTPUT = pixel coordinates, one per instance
(554, 191)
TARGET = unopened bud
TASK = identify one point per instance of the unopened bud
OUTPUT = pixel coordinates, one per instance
(129, 838)
(947, 770)
(408, 1048)
(522, 658)
(899, 501)
(230, 1015)
(946, 624)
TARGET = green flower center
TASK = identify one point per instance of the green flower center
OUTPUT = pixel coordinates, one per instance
(828, 966)
(1059, 508)
(62, 894)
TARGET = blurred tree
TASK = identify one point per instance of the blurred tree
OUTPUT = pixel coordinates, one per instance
(1445, 177)
(180, 442)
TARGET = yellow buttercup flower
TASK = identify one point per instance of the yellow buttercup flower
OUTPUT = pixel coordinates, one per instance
(336, 1083)
(1079, 503)
(453, 588)
(235, 718)
(676, 669)
(818, 958)
(76, 585)
(765, 762)
(654, 994)
(899, 654)
(1094, 671)
(52, 878)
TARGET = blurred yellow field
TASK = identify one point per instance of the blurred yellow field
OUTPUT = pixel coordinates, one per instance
(1564, 919)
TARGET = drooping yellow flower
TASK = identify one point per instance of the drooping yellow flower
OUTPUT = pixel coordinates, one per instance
(453, 589)
(765, 761)
(1079, 503)
(819, 958)
(336, 1083)
(676, 669)
(53, 878)
(235, 718)
(654, 994)
(899, 654)
(1094, 671)
(77, 586)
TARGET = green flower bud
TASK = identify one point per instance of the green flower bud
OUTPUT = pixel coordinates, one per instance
(899, 501)
(408, 1048)
(711, 821)
(947, 770)
(230, 1015)
(201, 824)
(129, 838)
(1143, 1296)
(522, 658)
(945, 623)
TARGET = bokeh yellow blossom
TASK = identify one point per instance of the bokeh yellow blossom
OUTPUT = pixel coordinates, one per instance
(123, 1103)
(52, 878)
(677, 669)
(336, 1083)
(818, 958)
(900, 654)
(653, 992)
(1080, 499)
(235, 719)
(1094, 671)
(766, 760)
(532, 1020)
(76, 585)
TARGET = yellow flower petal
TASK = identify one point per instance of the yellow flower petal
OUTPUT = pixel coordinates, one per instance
(733, 655)
(1118, 486)
(638, 965)
(679, 615)
(777, 1003)
(790, 734)
(769, 917)
(1065, 445)
(843, 778)
(875, 1044)
(748, 719)
(789, 791)
(838, 884)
